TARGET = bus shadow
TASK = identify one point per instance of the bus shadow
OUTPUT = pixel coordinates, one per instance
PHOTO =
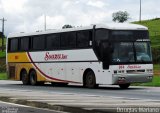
(111, 87)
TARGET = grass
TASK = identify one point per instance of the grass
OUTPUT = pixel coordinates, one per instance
(2, 54)
(154, 30)
(156, 67)
(155, 82)
(155, 41)
(1, 41)
(156, 78)
(153, 26)
(3, 76)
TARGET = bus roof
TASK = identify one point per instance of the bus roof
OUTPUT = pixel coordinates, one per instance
(111, 26)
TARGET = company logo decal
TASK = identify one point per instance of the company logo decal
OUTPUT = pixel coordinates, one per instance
(134, 67)
(130, 67)
(121, 66)
(16, 57)
(49, 56)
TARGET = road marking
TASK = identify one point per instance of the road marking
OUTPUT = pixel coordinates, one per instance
(13, 104)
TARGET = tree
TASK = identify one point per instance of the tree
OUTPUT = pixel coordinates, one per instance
(1, 38)
(1, 34)
(67, 26)
(120, 16)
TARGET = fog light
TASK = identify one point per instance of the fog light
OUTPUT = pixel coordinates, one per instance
(119, 71)
(150, 70)
(149, 77)
(115, 72)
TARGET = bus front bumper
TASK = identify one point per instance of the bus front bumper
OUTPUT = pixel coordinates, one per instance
(132, 78)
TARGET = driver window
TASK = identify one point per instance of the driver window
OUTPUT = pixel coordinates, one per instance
(101, 34)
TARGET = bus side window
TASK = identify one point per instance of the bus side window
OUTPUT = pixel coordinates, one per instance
(83, 38)
(68, 40)
(64, 40)
(39, 42)
(9, 45)
(24, 44)
(53, 41)
(13, 45)
(101, 34)
(72, 39)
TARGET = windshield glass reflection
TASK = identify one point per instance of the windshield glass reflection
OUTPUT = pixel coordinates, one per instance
(126, 53)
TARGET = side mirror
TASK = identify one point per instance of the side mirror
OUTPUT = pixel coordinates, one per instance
(106, 51)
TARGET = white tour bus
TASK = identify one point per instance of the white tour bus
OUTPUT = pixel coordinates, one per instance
(117, 54)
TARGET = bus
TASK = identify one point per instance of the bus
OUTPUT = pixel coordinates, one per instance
(104, 54)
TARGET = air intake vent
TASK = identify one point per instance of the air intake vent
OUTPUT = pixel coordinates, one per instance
(134, 71)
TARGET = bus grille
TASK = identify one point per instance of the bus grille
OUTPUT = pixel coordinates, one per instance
(134, 71)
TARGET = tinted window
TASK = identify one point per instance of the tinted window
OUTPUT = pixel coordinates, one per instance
(14, 45)
(38, 42)
(72, 39)
(141, 34)
(68, 40)
(122, 35)
(9, 44)
(102, 34)
(129, 52)
(83, 38)
(123, 52)
(143, 52)
(24, 43)
(128, 35)
(64, 40)
(53, 41)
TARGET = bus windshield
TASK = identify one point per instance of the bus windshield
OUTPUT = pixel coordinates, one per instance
(131, 52)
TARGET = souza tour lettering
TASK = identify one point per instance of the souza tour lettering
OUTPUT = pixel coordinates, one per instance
(49, 56)
(130, 67)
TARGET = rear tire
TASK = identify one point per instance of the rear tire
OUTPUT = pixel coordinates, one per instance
(25, 78)
(124, 86)
(33, 78)
(90, 80)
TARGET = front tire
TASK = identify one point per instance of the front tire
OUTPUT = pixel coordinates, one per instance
(124, 86)
(25, 78)
(90, 81)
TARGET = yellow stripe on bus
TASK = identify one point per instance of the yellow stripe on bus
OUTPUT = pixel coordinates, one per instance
(18, 60)
(18, 57)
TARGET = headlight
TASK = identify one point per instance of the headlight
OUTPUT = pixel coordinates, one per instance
(119, 71)
(150, 70)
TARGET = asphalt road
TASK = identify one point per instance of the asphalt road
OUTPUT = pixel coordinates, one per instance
(6, 107)
(134, 92)
(101, 99)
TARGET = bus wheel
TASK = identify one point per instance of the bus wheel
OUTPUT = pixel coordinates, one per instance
(33, 77)
(90, 80)
(25, 78)
(124, 86)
